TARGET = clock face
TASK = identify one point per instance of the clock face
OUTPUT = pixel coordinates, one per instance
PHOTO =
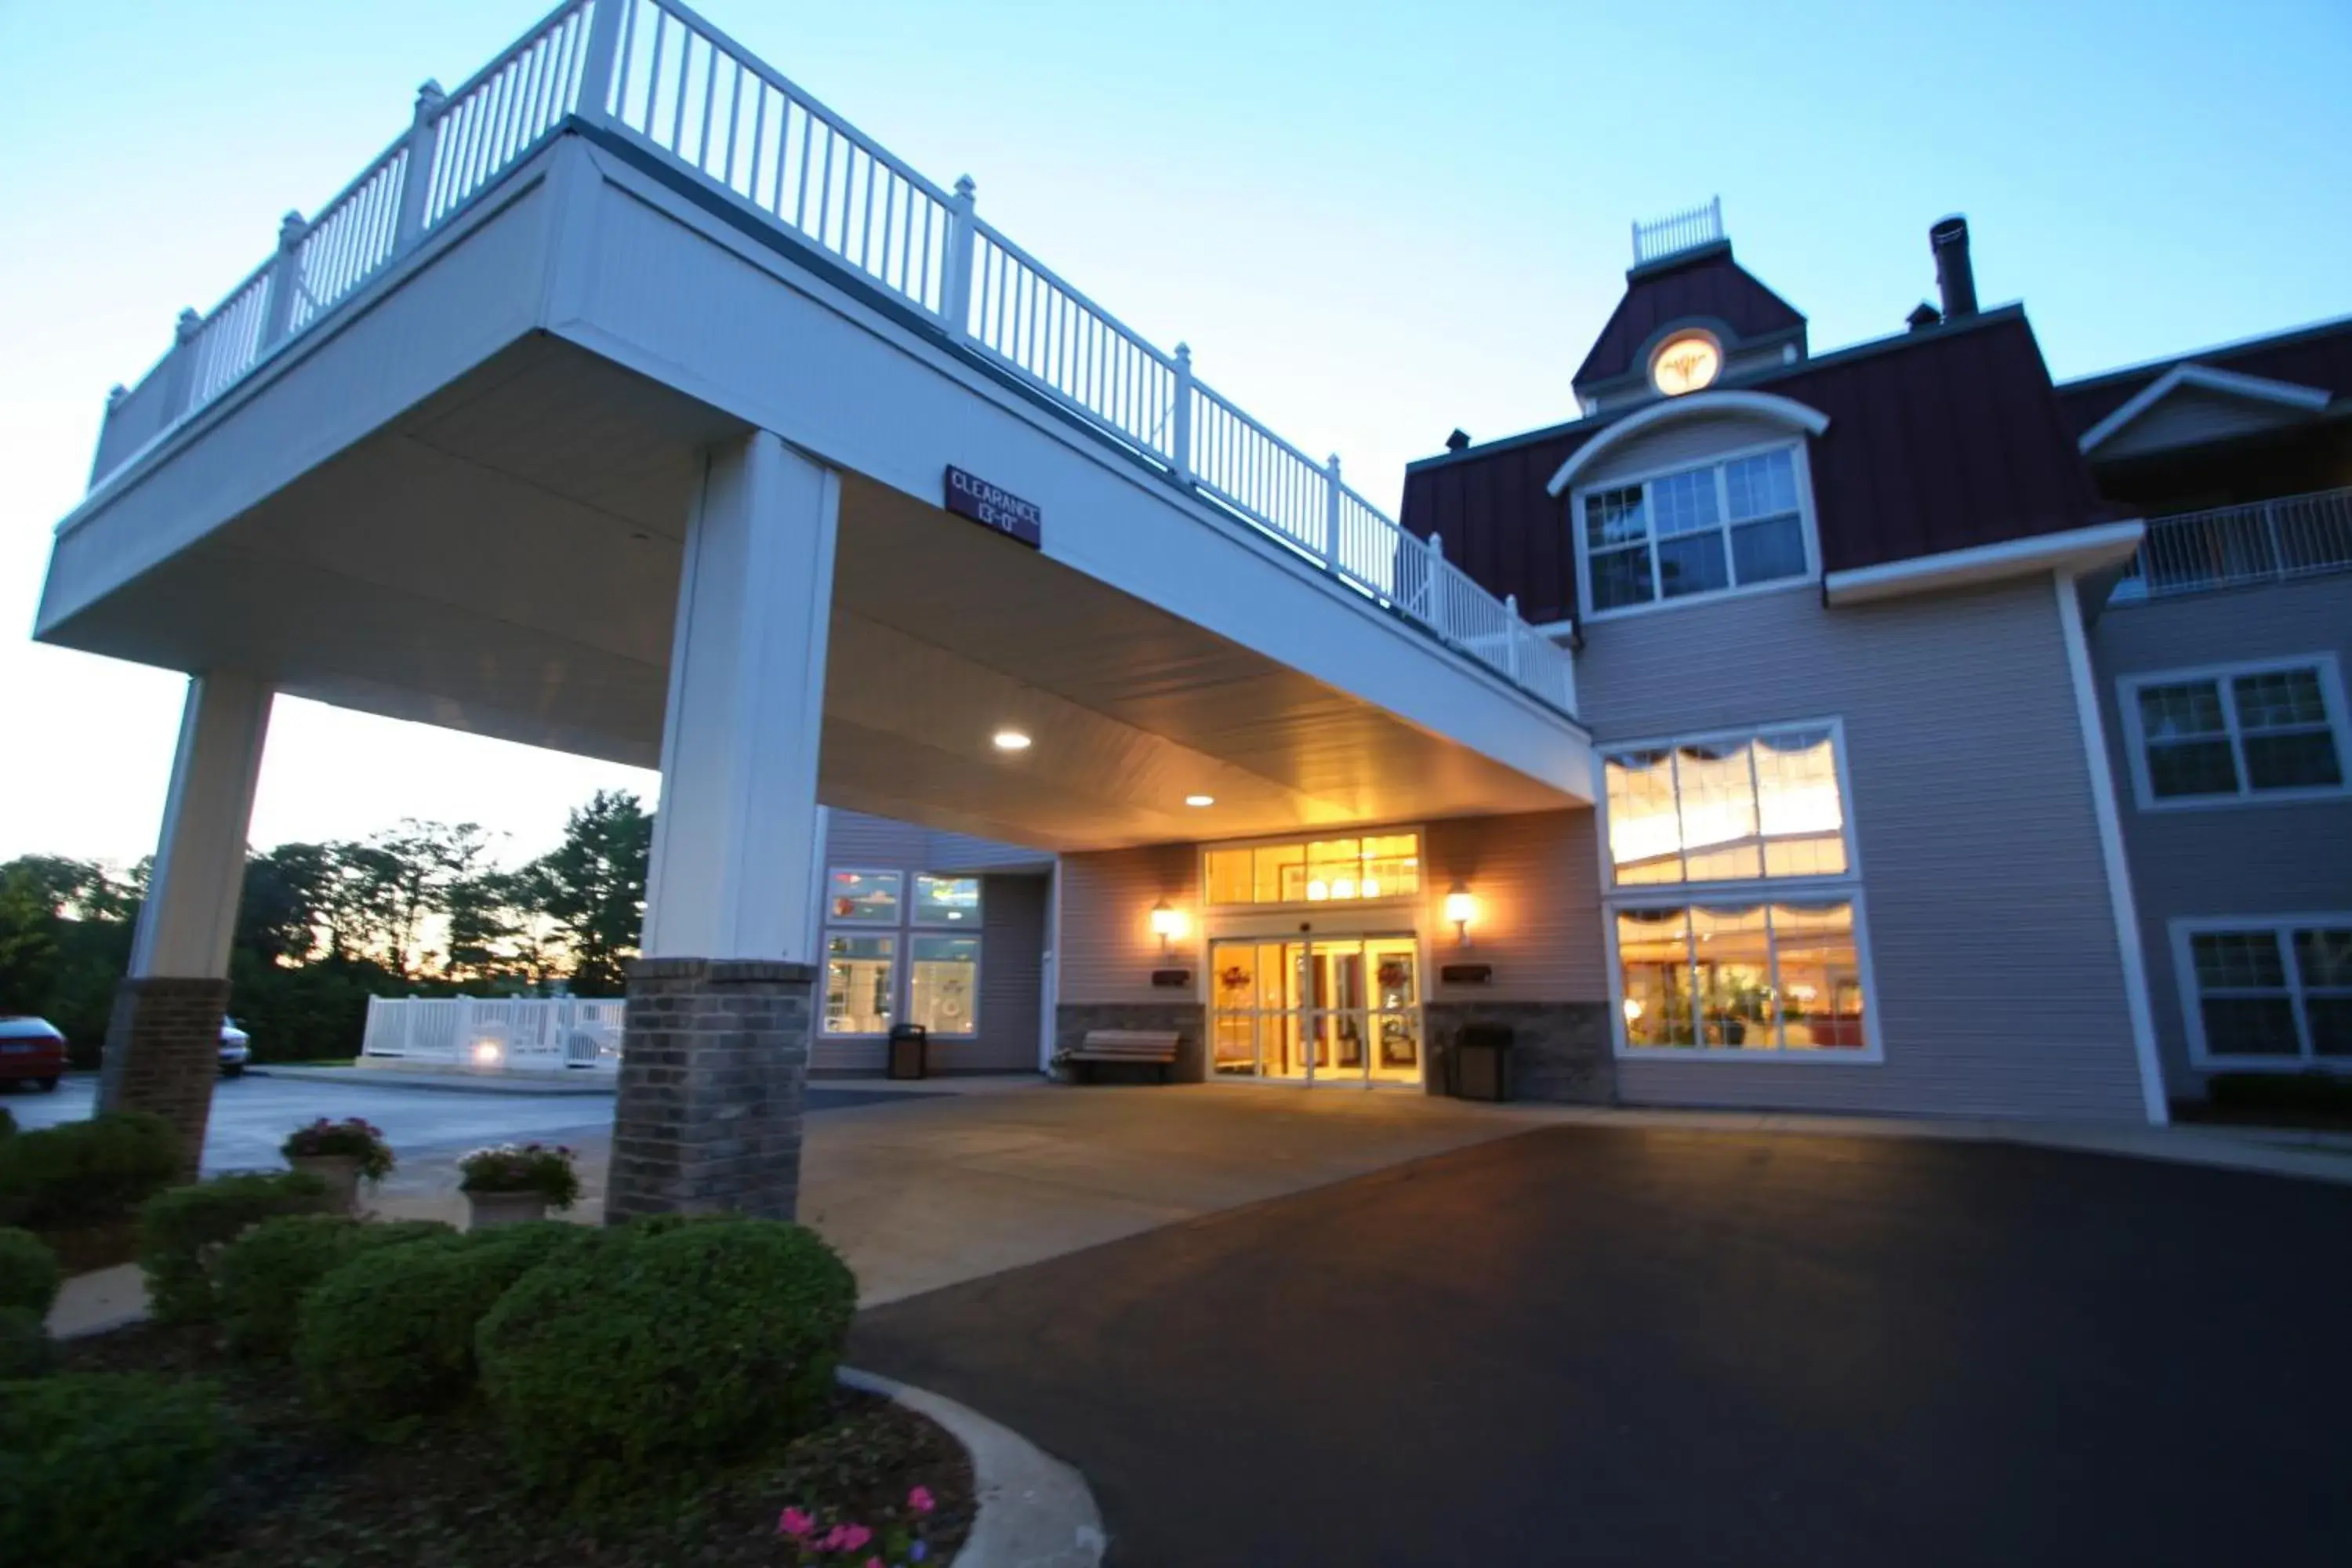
(1685, 364)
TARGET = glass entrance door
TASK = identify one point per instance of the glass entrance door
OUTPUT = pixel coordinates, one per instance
(1316, 1009)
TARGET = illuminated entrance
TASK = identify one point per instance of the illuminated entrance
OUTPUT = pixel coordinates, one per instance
(1316, 1009)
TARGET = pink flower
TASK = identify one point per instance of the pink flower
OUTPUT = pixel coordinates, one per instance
(794, 1523)
(875, 1562)
(920, 1499)
(854, 1536)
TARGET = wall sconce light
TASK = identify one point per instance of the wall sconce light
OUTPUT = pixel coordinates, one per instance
(1461, 908)
(1167, 924)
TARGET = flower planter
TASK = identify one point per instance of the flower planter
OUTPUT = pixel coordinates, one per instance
(491, 1209)
(339, 1172)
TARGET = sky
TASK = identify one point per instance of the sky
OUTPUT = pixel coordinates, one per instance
(1372, 223)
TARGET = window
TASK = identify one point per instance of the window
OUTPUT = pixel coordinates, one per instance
(2274, 993)
(943, 990)
(1730, 524)
(947, 900)
(1741, 977)
(1728, 809)
(858, 989)
(1733, 917)
(862, 898)
(1313, 871)
(2241, 732)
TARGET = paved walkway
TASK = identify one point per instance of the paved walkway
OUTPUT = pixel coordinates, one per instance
(1622, 1344)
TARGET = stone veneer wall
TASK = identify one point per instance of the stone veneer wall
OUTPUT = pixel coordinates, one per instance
(1560, 1050)
(1072, 1019)
(163, 1054)
(714, 1059)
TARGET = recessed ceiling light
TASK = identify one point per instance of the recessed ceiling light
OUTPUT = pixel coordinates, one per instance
(1011, 741)
(1200, 800)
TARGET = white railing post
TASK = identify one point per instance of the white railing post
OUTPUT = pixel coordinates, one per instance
(1332, 511)
(600, 60)
(284, 279)
(416, 169)
(955, 283)
(1180, 423)
(1511, 635)
(2278, 545)
(1434, 611)
(180, 370)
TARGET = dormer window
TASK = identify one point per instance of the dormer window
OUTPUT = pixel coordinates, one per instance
(1715, 528)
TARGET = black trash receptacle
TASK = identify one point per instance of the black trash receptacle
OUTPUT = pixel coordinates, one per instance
(910, 1051)
(1482, 1062)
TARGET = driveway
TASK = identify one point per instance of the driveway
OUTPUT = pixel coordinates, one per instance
(1592, 1344)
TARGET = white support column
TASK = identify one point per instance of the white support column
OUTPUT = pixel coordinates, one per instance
(189, 916)
(735, 840)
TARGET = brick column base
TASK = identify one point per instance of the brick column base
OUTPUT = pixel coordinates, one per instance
(714, 1055)
(163, 1054)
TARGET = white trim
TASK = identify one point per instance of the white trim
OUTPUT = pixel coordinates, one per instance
(2075, 550)
(2331, 692)
(2192, 1014)
(1800, 463)
(2121, 905)
(1705, 404)
(2228, 383)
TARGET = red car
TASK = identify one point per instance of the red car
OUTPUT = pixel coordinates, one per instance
(30, 1048)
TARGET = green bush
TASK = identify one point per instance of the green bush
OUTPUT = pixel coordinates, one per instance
(2319, 1093)
(7, 1121)
(86, 1172)
(654, 1352)
(388, 1337)
(100, 1471)
(259, 1279)
(29, 1275)
(181, 1232)
(25, 1347)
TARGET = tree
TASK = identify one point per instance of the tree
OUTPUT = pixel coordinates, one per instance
(592, 887)
(285, 902)
(422, 862)
(29, 941)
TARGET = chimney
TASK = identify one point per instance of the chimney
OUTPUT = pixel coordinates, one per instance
(1954, 277)
(1457, 441)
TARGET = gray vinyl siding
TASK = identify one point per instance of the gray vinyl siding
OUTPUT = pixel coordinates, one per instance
(2191, 417)
(1537, 878)
(1995, 973)
(2267, 858)
(1680, 444)
(1012, 948)
(1108, 950)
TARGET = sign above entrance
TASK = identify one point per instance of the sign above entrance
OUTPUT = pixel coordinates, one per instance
(970, 496)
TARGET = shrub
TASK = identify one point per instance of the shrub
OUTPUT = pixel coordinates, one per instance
(388, 1337)
(705, 1340)
(25, 1347)
(352, 1136)
(99, 1470)
(537, 1168)
(86, 1172)
(2319, 1093)
(181, 1232)
(260, 1279)
(7, 1121)
(29, 1275)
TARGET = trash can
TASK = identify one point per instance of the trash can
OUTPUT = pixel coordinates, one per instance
(910, 1051)
(1480, 1062)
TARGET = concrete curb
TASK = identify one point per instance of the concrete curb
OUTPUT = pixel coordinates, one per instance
(1035, 1511)
(549, 1085)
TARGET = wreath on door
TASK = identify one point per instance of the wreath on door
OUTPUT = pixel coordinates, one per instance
(1233, 977)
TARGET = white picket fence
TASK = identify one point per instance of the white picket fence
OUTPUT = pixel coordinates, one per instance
(654, 73)
(523, 1034)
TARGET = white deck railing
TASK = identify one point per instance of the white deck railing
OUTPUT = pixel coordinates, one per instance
(542, 1034)
(658, 74)
(1677, 231)
(2230, 546)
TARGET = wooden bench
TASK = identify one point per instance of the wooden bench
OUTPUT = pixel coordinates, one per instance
(1156, 1047)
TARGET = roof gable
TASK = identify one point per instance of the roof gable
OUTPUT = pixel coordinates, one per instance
(2193, 403)
(1704, 285)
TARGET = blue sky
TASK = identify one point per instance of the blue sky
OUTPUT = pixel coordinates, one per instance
(1371, 222)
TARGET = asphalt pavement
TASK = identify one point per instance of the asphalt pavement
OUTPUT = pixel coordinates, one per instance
(1601, 1345)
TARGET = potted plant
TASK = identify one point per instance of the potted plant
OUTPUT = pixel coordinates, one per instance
(339, 1154)
(1062, 1067)
(509, 1184)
